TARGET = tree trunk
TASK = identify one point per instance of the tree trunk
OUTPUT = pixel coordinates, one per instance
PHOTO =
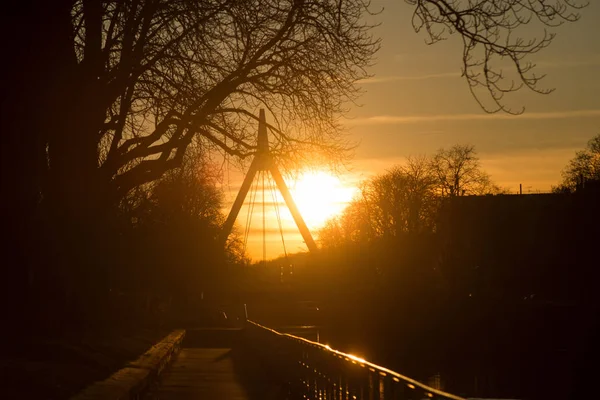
(30, 41)
(54, 197)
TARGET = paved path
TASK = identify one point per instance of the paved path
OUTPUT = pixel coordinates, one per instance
(201, 374)
(211, 367)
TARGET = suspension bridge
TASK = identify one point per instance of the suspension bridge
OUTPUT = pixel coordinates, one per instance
(251, 360)
(264, 176)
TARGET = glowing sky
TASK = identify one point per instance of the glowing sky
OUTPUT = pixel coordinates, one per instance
(417, 102)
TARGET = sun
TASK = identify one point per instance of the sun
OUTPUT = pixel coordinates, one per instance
(320, 196)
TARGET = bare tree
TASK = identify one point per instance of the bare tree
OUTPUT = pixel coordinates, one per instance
(584, 167)
(355, 225)
(101, 97)
(459, 172)
(493, 42)
(178, 221)
(331, 235)
(423, 201)
(131, 85)
(403, 200)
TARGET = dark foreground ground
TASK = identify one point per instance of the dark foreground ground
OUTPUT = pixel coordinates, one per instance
(36, 366)
(537, 352)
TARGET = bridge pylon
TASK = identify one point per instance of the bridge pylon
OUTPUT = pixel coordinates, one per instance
(263, 161)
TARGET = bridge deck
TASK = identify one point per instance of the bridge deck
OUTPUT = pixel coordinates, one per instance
(214, 366)
(201, 374)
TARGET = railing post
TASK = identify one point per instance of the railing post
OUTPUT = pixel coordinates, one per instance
(382, 391)
(373, 393)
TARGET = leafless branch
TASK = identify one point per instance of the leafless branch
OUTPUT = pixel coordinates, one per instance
(491, 32)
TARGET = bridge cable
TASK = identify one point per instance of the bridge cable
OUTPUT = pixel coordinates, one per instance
(264, 220)
(277, 213)
(253, 200)
(253, 193)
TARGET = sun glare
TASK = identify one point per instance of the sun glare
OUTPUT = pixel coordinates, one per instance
(319, 197)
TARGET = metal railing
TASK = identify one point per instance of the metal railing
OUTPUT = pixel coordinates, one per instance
(316, 371)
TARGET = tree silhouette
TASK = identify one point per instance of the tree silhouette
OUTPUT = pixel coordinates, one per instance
(422, 200)
(105, 97)
(459, 172)
(405, 200)
(402, 201)
(355, 225)
(584, 167)
(130, 85)
(177, 224)
(492, 35)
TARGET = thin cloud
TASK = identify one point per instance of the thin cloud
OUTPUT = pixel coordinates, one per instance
(407, 119)
(386, 79)
(593, 61)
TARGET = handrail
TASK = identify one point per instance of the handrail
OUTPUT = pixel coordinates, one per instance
(316, 371)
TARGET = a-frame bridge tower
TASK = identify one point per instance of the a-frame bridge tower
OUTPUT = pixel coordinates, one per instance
(264, 162)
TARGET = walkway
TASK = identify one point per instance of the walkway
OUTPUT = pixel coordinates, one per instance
(212, 365)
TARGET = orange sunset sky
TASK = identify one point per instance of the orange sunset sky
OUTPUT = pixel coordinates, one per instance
(417, 102)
